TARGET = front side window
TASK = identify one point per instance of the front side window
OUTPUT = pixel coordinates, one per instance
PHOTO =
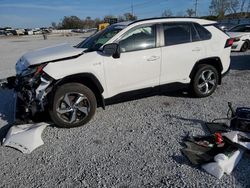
(94, 42)
(177, 33)
(139, 39)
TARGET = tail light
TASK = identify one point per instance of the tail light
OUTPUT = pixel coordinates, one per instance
(236, 39)
(229, 42)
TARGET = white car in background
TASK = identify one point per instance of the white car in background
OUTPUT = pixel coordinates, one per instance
(241, 35)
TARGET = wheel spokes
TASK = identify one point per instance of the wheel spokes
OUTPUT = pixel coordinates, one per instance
(200, 86)
(63, 111)
(212, 82)
(206, 88)
(73, 107)
(66, 99)
(203, 76)
(73, 117)
(80, 99)
(209, 76)
(83, 109)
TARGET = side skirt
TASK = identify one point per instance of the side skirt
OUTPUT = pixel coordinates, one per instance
(147, 92)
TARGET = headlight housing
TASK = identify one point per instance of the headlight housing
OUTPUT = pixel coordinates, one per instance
(34, 70)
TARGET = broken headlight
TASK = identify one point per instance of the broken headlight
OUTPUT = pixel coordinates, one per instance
(33, 70)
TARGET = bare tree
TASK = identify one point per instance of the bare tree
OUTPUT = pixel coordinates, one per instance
(190, 12)
(219, 7)
(130, 17)
(234, 6)
(167, 13)
(242, 5)
(248, 7)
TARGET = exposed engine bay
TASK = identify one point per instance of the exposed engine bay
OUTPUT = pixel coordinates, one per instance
(31, 88)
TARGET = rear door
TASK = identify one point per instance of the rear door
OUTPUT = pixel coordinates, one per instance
(182, 49)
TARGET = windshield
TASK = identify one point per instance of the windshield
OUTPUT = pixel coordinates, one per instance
(94, 42)
(241, 28)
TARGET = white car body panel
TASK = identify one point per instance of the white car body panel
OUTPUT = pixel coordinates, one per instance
(133, 71)
(243, 37)
(91, 62)
(216, 47)
(26, 137)
(51, 53)
(43, 55)
(176, 67)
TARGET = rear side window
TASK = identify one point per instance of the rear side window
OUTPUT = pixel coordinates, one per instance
(203, 33)
(177, 33)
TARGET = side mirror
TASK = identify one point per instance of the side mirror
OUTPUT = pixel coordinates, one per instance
(112, 49)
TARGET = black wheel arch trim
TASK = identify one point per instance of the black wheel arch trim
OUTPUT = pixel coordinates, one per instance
(214, 61)
(81, 78)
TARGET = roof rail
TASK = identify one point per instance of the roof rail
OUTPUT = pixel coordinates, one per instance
(159, 18)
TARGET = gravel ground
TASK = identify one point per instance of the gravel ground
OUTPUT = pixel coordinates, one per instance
(131, 144)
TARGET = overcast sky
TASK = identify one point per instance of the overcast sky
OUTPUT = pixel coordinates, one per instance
(35, 13)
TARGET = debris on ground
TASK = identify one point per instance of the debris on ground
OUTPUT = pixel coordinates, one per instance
(26, 137)
(221, 151)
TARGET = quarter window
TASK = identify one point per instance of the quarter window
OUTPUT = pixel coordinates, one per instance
(177, 33)
(204, 34)
(139, 39)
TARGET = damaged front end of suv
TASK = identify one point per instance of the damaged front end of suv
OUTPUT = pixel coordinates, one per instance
(31, 86)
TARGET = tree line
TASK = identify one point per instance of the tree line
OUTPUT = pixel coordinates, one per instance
(74, 22)
(218, 9)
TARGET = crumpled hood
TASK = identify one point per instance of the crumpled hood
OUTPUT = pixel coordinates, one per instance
(51, 53)
(43, 55)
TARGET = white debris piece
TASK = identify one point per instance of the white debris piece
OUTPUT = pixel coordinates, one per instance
(223, 164)
(234, 137)
(25, 138)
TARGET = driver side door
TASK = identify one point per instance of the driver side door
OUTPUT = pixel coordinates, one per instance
(139, 64)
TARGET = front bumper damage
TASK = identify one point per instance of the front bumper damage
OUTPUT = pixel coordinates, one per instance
(31, 95)
(30, 98)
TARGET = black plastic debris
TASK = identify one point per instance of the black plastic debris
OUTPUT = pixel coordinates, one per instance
(221, 151)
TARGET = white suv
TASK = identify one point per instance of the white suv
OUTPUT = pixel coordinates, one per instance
(70, 82)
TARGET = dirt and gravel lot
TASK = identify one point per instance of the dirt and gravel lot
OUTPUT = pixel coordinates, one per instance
(131, 144)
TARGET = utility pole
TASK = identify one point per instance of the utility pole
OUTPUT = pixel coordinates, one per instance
(196, 6)
(132, 7)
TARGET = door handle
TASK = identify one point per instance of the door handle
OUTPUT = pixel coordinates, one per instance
(153, 58)
(196, 49)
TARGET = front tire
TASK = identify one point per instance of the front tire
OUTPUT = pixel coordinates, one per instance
(73, 105)
(205, 81)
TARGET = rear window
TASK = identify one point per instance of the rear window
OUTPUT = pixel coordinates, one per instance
(203, 33)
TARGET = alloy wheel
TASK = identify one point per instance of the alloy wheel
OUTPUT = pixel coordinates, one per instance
(206, 82)
(73, 107)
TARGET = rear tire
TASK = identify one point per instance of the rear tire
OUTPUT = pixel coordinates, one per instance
(244, 47)
(73, 105)
(205, 81)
